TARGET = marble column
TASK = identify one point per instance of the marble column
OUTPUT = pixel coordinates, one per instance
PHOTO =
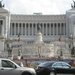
(42, 28)
(10, 28)
(56, 29)
(35, 28)
(64, 29)
(18, 27)
(14, 28)
(60, 28)
(25, 29)
(46, 29)
(50, 29)
(32, 29)
(21, 28)
(53, 29)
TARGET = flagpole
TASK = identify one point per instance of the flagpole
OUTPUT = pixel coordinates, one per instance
(19, 49)
(59, 39)
(61, 48)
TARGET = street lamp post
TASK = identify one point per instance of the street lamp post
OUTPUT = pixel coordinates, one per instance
(39, 50)
(9, 49)
(61, 54)
(19, 52)
(72, 49)
(72, 45)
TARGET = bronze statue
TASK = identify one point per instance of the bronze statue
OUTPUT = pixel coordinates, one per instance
(1, 4)
(73, 6)
(38, 27)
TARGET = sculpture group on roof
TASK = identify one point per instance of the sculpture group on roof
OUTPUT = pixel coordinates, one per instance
(73, 6)
(1, 5)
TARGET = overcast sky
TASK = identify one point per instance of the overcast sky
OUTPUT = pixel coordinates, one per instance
(38, 6)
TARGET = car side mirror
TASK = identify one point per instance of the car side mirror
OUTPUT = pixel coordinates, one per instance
(69, 66)
(21, 64)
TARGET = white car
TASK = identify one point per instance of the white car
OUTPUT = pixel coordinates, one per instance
(8, 67)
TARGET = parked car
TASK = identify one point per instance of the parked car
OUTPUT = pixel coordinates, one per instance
(54, 68)
(8, 67)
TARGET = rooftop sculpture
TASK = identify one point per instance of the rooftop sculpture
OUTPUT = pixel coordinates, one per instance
(1, 5)
(73, 6)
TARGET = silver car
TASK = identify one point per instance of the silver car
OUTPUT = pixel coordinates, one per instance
(8, 67)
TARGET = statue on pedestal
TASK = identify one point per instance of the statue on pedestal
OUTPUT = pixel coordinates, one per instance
(38, 27)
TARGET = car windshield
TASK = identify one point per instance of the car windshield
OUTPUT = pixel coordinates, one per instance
(45, 64)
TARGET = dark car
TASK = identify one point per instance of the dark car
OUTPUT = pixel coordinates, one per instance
(54, 68)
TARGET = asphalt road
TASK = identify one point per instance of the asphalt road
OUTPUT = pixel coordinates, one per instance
(65, 74)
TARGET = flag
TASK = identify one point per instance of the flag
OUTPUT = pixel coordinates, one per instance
(19, 37)
(59, 39)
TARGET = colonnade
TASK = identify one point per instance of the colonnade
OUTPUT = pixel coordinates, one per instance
(30, 29)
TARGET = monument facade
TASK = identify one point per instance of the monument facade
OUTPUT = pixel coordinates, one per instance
(47, 34)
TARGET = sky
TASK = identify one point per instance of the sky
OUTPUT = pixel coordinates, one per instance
(37, 6)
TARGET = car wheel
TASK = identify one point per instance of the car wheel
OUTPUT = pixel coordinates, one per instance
(52, 73)
(26, 74)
